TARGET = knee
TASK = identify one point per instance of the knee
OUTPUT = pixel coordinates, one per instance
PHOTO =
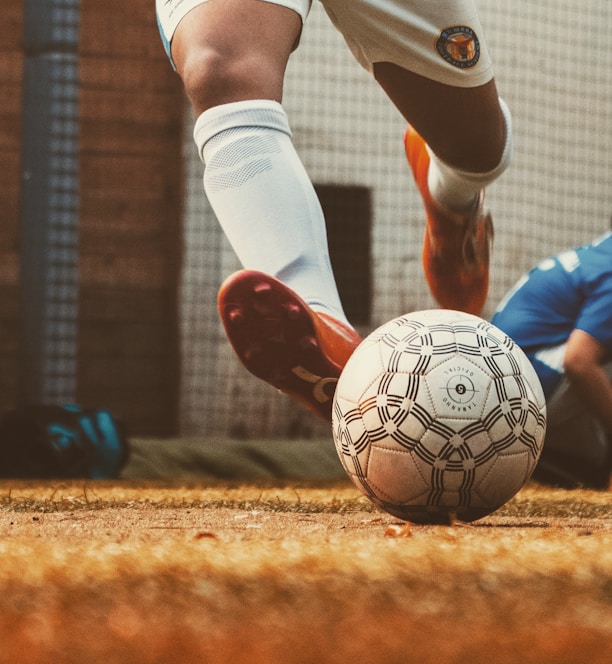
(212, 77)
(205, 73)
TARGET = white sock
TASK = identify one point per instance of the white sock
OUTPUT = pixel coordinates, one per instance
(264, 199)
(456, 190)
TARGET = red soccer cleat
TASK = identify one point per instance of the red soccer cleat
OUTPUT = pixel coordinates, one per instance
(281, 340)
(456, 247)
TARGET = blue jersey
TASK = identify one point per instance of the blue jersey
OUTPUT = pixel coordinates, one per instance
(572, 290)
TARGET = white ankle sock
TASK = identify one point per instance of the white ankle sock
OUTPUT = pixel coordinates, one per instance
(264, 199)
(456, 190)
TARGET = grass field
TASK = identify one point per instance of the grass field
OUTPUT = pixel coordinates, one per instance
(297, 573)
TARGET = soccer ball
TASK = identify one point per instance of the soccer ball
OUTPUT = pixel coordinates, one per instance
(438, 415)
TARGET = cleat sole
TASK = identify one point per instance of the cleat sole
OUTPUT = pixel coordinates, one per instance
(279, 339)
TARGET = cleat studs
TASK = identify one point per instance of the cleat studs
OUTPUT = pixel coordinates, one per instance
(235, 316)
(262, 288)
(252, 353)
(308, 343)
(293, 311)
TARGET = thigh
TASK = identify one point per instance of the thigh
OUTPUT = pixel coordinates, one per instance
(565, 405)
(464, 127)
(251, 22)
(432, 60)
(231, 50)
(570, 425)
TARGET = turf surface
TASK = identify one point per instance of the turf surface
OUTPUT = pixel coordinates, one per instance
(296, 572)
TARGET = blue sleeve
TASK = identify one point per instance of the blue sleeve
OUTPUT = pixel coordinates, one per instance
(596, 314)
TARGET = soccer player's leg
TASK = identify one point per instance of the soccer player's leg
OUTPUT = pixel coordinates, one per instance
(458, 141)
(232, 58)
(456, 244)
(280, 339)
(577, 450)
(578, 454)
(433, 62)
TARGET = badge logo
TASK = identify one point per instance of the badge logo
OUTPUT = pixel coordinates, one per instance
(459, 46)
(460, 390)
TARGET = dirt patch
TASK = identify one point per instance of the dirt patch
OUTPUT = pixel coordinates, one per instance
(125, 572)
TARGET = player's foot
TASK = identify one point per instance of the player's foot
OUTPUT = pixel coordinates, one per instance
(281, 340)
(456, 246)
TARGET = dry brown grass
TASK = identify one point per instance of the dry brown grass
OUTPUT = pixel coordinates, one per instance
(297, 573)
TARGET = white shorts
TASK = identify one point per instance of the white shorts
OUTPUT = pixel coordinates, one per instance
(440, 40)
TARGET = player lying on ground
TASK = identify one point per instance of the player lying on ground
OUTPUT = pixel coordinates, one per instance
(560, 313)
(283, 316)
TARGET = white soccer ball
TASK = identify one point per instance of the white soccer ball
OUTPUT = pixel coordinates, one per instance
(439, 415)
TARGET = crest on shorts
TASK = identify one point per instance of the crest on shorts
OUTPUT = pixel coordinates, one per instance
(459, 46)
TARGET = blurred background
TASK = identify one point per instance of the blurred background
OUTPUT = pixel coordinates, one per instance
(110, 257)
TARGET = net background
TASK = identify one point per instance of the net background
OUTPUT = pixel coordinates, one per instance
(51, 270)
(552, 63)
